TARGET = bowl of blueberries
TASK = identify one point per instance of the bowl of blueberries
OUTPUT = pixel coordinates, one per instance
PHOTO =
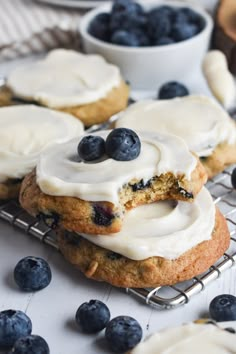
(152, 42)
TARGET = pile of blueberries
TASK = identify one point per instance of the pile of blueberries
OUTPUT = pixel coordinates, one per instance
(130, 25)
(30, 274)
(122, 333)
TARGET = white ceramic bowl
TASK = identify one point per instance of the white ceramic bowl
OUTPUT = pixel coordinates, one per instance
(149, 67)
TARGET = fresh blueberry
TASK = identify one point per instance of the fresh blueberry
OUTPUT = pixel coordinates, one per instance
(100, 27)
(123, 144)
(30, 345)
(91, 148)
(143, 38)
(163, 41)
(126, 21)
(164, 11)
(172, 89)
(181, 32)
(191, 15)
(123, 333)
(233, 178)
(159, 25)
(13, 325)
(223, 308)
(125, 38)
(126, 6)
(92, 316)
(32, 273)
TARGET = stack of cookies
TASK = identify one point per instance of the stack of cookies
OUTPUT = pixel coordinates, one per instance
(129, 207)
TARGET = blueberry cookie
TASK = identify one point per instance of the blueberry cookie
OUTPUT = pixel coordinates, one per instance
(160, 244)
(25, 131)
(83, 85)
(205, 127)
(189, 338)
(93, 196)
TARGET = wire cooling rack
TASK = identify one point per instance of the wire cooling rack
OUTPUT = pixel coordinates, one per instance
(165, 297)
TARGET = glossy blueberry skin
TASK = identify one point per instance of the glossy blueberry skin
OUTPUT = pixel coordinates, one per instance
(181, 32)
(32, 344)
(123, 37)
(128, 6)
(32, 274)
(123, 333)
(123, 144)
(13, 325)
(91, 148)
(159, 23)
(223, 308)
(92, 316)
(233, 178)
(172, 89)
(99, 27)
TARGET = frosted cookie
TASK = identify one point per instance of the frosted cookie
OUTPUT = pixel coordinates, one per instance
(93, 196)
(25, 131)
(83, 85)
(220, 80)
(204, 125)
(189, 338)
(159, 244)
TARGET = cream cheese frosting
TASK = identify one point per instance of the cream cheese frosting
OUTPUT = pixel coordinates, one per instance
(186, 339)
(65, 78)
(220, 80)
(60, 173)
(25, 131)
(165, 229)
(201, 122)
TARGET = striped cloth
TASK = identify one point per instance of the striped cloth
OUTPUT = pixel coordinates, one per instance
(29, 27)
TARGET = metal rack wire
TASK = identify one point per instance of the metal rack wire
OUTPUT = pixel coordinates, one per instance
(166, 297)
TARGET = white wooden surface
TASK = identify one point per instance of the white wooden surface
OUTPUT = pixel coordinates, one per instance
(52, 310)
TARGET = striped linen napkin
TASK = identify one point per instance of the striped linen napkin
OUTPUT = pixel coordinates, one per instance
(28, 27)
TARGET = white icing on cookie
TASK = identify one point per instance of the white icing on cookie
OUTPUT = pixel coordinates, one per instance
(58, 172)
(163, 229)
(191, 338)
(219, 78)
(201, 122)
(65, 78)
(25, 131)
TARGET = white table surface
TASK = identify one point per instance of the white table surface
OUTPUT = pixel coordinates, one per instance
(52, 310)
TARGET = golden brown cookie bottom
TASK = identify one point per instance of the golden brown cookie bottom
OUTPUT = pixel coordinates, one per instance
(223, 156)
(78, 215)
(100, 111)
(91, 113)
(10, 189)
(103, 265)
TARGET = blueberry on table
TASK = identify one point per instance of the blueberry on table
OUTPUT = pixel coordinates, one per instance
(123, 333)
(92, 316)
(233, 178)
(172, 89)
(123, 144)
(91, 148)
(32, 344)
(126, 38)
(32, 273)
(99, 27)
(223, 308)
(13, 325)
